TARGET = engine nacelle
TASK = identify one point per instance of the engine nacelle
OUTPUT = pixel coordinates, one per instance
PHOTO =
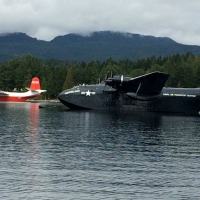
(116, 81)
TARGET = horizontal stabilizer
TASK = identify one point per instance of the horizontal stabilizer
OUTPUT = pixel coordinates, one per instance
(39, 91)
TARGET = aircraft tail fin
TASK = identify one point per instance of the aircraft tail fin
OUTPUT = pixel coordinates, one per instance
(35, 85)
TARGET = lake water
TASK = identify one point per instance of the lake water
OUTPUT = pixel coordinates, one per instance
(52, 153)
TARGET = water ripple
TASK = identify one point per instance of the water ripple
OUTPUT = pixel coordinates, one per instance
(55, 154)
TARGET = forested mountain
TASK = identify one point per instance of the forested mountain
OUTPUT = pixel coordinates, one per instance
(98, 46)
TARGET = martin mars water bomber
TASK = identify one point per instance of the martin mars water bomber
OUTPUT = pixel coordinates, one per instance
(32, 92)
(143, 93)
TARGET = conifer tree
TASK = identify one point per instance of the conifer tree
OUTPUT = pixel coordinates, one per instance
(69, 82)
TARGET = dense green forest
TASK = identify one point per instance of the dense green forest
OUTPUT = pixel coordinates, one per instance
(55, 75)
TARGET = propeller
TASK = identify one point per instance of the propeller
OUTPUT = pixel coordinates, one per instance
(122, 79)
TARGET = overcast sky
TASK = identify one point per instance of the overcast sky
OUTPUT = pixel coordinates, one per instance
(46, 19)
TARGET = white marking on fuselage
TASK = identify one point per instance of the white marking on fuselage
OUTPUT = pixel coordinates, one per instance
(72, 91)
(88, 93)
(179, 95)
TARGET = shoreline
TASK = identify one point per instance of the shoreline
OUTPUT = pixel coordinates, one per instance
(41, 100)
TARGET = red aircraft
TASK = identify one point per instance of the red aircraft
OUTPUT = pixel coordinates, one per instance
(32, 92)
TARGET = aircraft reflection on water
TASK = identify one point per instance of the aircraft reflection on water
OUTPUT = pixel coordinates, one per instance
(34, 121)
(143, 93)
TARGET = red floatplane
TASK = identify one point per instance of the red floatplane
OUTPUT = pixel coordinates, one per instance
(32, 92)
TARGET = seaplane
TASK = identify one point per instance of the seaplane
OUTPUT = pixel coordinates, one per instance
(144, 93)
(33, 91)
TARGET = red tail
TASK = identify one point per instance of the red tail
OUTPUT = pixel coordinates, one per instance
(35, 84)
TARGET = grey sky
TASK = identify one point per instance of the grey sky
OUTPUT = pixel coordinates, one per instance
(46, 19)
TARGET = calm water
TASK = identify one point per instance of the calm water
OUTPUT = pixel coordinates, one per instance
(52, 153)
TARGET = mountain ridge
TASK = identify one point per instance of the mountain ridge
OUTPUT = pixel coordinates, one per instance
(96, 46)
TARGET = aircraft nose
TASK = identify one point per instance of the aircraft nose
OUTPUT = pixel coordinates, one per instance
(61, 96)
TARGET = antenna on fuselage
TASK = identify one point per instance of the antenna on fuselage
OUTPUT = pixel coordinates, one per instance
(99, 81)
(106, 78)
(111, 74)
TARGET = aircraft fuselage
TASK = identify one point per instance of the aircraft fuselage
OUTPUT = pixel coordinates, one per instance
(104, 97)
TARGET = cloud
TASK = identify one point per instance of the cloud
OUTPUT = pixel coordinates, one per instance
(47, 19)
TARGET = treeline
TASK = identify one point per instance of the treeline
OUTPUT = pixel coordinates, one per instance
(55, 75)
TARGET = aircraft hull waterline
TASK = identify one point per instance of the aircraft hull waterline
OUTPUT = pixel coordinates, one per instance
(15, 98)
(139, 99)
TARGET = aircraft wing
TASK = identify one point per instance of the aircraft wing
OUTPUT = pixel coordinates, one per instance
(148, 84)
